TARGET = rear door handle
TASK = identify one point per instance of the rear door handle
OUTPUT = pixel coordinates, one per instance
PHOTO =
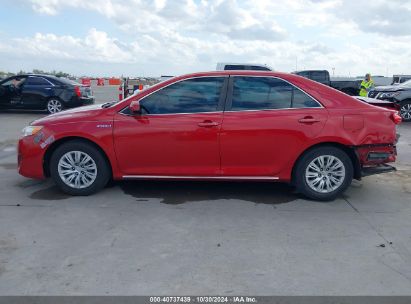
(308, 120)
(208, 124)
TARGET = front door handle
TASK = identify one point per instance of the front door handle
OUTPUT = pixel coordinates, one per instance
(308, 120)
(208, 124)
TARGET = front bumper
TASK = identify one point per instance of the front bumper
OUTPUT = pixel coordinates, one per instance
(31, 151)
(383, 168)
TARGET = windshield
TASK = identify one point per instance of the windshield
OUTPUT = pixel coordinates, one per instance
(406, 84)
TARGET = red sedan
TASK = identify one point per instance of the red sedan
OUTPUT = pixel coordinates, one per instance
(225, 125)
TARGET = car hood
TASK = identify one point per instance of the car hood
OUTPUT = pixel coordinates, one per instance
(391, 88)
(72, 115)
(373, 101)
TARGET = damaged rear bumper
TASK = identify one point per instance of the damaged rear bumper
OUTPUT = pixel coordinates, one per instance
(373, 159)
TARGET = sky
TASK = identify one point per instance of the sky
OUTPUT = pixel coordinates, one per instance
(166, 37)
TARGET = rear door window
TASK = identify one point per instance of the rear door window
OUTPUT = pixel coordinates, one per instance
(264, 93)
(259, 93)
(37, 81)
(302, 100)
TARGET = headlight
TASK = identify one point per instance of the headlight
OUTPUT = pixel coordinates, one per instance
(31, 130)
(389, 95)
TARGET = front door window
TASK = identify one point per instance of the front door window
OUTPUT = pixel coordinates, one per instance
(198, 95)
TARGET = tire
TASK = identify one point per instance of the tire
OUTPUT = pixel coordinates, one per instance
(405, 111)
(54, 105)
(335, 181)
(86, 180)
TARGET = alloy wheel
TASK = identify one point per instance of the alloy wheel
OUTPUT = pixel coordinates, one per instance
(325, 174)
(77, 169)
(405, 111)
(54, 106)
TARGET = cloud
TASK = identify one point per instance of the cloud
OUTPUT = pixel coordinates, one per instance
(96, 46)
(165, 36)
(143, 16)
(388, 18)
(236, 22)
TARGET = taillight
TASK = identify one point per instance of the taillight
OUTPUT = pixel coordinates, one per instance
(77, 90)
(396, 118)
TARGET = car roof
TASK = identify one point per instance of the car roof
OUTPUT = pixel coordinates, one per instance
(29, 74)
(35, 75)
(282, 75)
(300, 71)
(234, 73)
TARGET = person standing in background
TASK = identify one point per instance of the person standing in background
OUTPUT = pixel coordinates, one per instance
(366, 85)
(125, 87)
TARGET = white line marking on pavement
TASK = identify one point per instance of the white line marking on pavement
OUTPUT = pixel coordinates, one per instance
(9, 149)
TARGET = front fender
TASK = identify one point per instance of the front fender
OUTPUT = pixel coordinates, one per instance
(99, 133)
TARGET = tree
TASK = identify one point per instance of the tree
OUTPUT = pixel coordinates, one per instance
(54, 72)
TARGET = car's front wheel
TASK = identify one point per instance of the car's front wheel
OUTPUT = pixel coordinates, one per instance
(323, 173)
(78, 168)
(405, 111)
(54, 105)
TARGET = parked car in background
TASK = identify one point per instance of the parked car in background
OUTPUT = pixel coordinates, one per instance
(242, 66)
(398, 79)
(399, 94)
(379, 103)
(35, 91)
(225, 125)
(348, 86)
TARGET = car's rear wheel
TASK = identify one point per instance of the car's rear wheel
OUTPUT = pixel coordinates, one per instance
(78, 168)
(323, 173)
(405, 111)
(54, 105)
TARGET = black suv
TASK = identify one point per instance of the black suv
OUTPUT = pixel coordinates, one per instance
(43, 92)
(400, 95)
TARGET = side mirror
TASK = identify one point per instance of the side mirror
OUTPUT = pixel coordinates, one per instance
(135, 106)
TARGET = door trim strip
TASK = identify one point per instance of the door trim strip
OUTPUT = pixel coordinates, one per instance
(200, 177)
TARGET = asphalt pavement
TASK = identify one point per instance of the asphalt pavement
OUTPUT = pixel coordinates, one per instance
(197, 238)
